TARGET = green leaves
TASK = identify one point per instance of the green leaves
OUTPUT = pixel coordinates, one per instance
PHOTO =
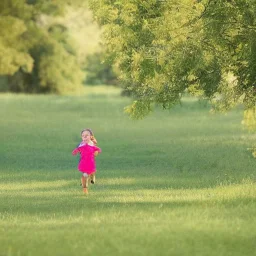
(166, 47)
(13, 54)
(57, 69)
(146, 41)
(34, 56)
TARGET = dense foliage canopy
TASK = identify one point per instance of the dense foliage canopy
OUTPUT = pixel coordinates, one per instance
(163, 48)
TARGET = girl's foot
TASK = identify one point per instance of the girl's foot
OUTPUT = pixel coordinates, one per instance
(85, 191)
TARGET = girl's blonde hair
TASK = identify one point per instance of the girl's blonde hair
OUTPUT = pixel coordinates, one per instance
(93, 139)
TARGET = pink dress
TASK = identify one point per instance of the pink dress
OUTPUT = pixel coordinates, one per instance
(87, 163)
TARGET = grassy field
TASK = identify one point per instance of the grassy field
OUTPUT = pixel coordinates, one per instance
(179, 182)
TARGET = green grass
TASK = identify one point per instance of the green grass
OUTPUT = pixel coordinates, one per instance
(179, 182)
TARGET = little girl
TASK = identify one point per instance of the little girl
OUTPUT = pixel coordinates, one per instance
(87, 165)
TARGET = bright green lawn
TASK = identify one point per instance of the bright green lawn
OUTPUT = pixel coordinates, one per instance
(180, 182)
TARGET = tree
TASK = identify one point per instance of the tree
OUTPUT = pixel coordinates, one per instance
(34, 58)
(13, 53)
(163, 48)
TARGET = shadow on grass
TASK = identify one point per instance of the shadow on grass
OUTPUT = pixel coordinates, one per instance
(201, 157)
(20, 204)
(64, 181)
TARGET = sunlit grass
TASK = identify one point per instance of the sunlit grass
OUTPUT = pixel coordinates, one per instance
(179, 182)
(99, 90)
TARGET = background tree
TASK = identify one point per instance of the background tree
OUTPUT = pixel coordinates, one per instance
(163, 48)
(98, 71)
(13, 52)
(36, 59)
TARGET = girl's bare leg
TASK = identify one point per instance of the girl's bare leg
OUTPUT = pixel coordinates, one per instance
(93, 178)
(84, 181)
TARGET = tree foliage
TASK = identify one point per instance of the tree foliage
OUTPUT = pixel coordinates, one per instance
(98, 71)
(13, 53)
(165, 47)
(34, 58)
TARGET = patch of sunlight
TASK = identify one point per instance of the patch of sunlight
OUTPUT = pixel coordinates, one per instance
(46, 195)
(215, 138)
(11, 95)
(117, 181)
(246, 189)
(220, 193)
(189, 98)
(95, 90)
(32, 185)
(49, 220)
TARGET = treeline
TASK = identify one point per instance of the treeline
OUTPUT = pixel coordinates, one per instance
(49, 47)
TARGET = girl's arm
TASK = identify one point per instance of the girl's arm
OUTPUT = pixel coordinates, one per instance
(93, 139)
(75, 151)
(97, 150)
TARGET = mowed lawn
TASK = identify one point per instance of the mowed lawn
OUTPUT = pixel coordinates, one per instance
(179, 182)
